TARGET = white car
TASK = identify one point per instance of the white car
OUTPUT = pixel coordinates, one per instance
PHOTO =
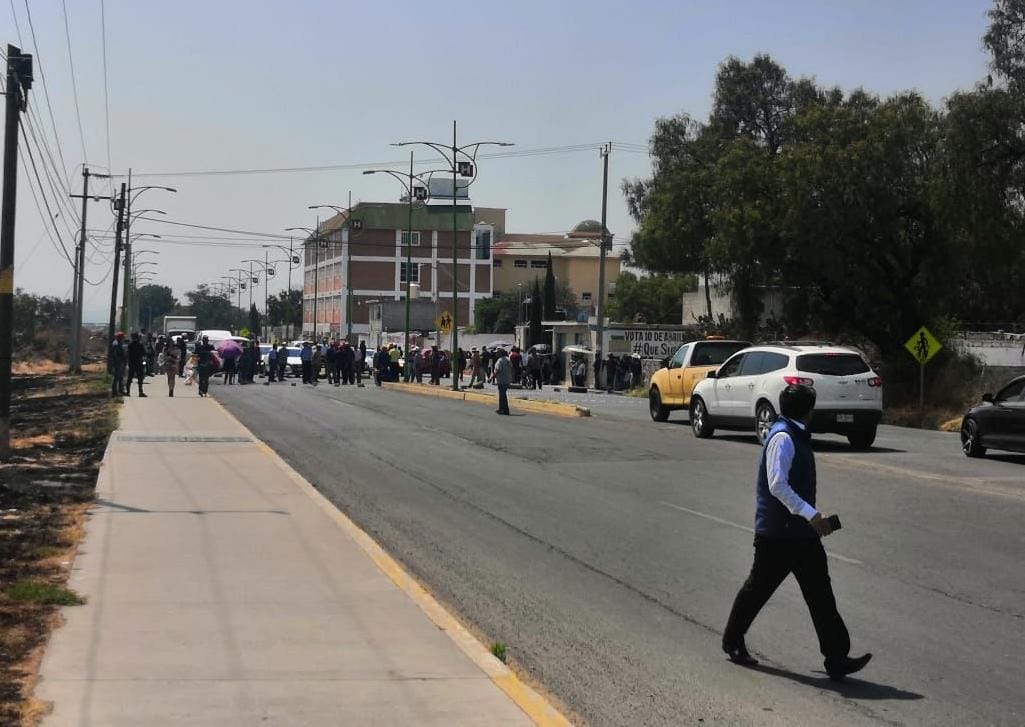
(744, 393)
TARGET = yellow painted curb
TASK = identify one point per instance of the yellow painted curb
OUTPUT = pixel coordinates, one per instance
(536, 707)
(541, 407)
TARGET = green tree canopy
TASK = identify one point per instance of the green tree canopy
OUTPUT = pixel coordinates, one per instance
(656, 298)
(155, 301)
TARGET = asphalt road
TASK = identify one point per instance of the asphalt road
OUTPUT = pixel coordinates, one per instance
(605, 553)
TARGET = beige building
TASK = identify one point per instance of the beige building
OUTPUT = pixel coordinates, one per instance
(518, 259)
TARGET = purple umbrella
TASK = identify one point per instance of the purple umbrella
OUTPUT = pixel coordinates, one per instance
(229, 350)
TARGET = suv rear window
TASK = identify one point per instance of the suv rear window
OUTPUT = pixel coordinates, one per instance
(832, 364)
(713, 353)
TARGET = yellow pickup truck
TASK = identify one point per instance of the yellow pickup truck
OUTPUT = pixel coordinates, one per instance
(671, 385)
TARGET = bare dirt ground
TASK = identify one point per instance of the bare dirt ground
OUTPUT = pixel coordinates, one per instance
(60, 426)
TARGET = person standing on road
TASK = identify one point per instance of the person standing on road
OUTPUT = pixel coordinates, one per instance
(788, 539)
(476, 377)
(151, 353)
(183, 355)
(272, 363)
(597, 369)
(347, 363)
(316, 361)
(282, 362)
(361, 362)
(331, 359)
(382, 365)
(136, 364)
(534, 370)
(503, 378)
(435, 364)
(204, 365)
(171, 356)
(306, 357)
(117, 364)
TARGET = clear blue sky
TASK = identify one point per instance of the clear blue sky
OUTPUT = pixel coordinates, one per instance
(227, 85)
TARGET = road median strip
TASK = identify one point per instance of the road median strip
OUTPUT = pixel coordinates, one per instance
(555, 408)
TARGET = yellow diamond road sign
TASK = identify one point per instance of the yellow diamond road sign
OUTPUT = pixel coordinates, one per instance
(444, 322)
(923, 345)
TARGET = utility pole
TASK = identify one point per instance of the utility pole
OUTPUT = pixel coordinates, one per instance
(348, 268)
(120, 205)
(600, 307)
(19, 81)
(316, 276)
(126, 294)
(76, 314)
(453, 364)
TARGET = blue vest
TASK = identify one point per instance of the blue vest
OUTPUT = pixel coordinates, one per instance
(771, 516)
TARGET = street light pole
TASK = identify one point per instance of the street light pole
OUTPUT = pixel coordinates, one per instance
(464, 169)
(600, 307)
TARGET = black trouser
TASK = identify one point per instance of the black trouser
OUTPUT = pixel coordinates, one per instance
(135, 371)
(348, 375)
(333, 376)
(307, 372)
(204, 378)
(281, 370)
(775, 559)
(359, 373)
(271, 369)
(181, 362)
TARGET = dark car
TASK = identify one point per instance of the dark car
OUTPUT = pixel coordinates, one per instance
(997, 423)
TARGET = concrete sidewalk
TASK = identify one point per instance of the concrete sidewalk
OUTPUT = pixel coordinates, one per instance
(223, 590)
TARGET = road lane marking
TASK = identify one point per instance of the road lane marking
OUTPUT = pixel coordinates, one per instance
(745, 528)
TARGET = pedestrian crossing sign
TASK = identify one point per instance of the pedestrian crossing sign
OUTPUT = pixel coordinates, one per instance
(444, 322)
(923, 346)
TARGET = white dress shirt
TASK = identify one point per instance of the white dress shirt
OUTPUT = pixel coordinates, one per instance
(779, 455)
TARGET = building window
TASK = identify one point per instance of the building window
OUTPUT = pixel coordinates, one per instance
(483, 243)
(585, 297)
(497, 262)
(413, 270)
(520, 263)
(543, 264)
(416, 239)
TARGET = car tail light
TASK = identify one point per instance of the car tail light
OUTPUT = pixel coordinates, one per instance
(876, 381)
(798, 380)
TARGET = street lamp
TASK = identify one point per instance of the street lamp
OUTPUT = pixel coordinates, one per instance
(268, 272)
(133, 194)
(347, 211)
(240, 285)
(420, 193)
(293, 261)
(314, 234)
(462, 162)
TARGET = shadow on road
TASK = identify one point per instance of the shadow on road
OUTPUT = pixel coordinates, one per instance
(849, 688)
(1007, 457)
(819, 445)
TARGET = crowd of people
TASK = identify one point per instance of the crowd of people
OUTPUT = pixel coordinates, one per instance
(143, 354)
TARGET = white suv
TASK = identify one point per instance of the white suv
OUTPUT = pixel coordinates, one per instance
(744, 392)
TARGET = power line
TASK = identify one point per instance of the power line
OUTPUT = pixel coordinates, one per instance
(540, 151)
(74, 83)
(46, 93)
(50, 216)
(16, 26)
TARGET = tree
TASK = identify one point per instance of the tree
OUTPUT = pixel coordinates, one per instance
(535, 333)
(213, 310)
(1005, 40)
(549, 292)
(155, 301)
(285, 309)
(497, 314)
(254, 320)
(654, 298)
(40, 325)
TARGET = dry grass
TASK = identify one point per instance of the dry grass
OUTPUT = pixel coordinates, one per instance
(61, 424)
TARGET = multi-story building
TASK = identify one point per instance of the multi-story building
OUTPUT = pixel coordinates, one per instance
(373, 249)
(575, 260)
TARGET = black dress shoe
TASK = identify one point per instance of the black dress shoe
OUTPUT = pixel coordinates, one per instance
(839, 668)
(740, 655)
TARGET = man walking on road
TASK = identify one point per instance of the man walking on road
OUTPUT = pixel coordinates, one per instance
(788, 532)
(503, 377)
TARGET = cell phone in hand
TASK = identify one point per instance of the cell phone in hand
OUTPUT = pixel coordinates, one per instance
(834, 522)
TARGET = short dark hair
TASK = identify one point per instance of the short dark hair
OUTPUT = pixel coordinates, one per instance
(796, 401)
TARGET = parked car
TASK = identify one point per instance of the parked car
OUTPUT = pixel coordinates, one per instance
(744, 393)
(295, 362)
(996, 423)
(671, 386)
(264, 350)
